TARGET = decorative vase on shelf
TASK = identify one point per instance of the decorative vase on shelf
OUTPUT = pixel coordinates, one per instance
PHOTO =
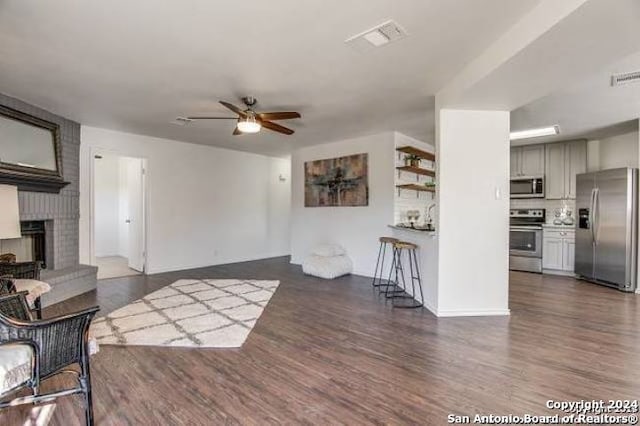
(412, 160)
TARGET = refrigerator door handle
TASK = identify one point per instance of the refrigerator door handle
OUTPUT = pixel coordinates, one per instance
(596, 215)
(591, 214)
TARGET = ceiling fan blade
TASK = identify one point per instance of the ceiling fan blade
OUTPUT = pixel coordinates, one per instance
(279, 115)
(212, 118)
(233, 108)
(276, 127)
(236, 132)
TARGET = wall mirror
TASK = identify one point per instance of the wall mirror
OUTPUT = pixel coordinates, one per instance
(30, 152)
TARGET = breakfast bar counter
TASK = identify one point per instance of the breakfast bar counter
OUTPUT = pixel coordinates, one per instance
(427, 242)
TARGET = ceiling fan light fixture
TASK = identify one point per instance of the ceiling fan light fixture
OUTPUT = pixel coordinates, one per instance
(249, 124)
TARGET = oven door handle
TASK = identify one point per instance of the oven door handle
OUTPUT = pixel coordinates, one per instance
(525, 228)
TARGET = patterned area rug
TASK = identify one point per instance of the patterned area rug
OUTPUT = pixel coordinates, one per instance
(196, 313)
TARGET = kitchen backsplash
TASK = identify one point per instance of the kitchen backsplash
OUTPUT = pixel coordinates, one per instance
(549, 205)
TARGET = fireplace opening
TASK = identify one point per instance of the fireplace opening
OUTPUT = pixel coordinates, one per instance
(33, 244)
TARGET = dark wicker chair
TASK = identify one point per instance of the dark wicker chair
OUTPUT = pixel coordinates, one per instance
(57, 343)
(28, 270)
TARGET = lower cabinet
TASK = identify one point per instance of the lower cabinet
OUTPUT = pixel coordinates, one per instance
(558, 251)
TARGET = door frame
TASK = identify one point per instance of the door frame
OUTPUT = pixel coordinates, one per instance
(92, 197)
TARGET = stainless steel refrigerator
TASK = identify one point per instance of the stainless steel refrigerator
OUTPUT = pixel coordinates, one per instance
(606, 233)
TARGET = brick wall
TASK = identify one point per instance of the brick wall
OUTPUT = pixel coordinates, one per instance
(63, 209)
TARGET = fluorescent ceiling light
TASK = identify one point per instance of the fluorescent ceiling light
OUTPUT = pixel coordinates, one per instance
(376, 38)
(535, 133)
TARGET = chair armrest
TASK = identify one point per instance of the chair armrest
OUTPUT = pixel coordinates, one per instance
(21, 269)
(6, 285)
(59, 341)
(14, 305)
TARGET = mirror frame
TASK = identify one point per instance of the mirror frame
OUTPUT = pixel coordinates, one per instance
(33, 178)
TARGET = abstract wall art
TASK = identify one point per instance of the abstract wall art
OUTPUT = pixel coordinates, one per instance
(337, 182)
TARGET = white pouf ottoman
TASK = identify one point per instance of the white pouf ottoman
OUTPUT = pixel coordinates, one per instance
(328, 261)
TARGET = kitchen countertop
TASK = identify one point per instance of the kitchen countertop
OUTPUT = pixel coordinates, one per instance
(417, 231)
(552, 226)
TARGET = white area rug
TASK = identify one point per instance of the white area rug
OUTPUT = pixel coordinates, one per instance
(195, 313)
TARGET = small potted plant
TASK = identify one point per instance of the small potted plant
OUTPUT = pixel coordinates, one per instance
(412, 160)
(430, 184)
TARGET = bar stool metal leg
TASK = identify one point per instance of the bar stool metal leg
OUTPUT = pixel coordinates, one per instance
(398, 289)
(375, 272)
(415, 278)
(393, 286)
(378, 280)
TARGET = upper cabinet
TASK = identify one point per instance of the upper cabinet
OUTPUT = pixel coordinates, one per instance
(563, 161)
(576, 163)
(527, 160)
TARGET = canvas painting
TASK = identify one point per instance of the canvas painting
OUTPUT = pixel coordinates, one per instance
(337, 182)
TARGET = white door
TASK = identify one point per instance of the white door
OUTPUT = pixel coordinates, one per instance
(135, 220)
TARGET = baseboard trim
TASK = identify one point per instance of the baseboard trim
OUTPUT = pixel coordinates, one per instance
(153, 271)
(558, 273)
(472, 313)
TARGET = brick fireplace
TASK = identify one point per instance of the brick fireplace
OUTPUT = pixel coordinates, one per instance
(59, 214)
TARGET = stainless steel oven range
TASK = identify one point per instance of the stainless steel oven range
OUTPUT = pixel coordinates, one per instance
(525, 239)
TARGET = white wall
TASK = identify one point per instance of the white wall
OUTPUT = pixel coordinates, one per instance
(279, 219)
(205, 205)
(107, 205)
(619, 151)
(357, 229)
(473, 221)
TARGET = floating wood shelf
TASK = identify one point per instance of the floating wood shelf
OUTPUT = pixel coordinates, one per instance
(415, 151)
(417, 170)
(416, 187)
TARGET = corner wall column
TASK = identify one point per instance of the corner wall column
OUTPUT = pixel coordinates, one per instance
(473, 202)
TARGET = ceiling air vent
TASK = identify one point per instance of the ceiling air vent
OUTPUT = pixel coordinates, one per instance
(625, 78)
(377, 36)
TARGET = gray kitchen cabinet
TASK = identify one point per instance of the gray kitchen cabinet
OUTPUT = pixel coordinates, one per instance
(532, 160)
(576, 163)
(552, 253)
(554, 174)
(515, 162)
(563, 161)
(568, 254)
(558, 250)
(527, 160)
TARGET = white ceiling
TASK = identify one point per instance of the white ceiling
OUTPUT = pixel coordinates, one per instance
(136, 65)
(590, 108)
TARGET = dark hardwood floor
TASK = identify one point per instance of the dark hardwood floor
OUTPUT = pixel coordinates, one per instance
(333, 352)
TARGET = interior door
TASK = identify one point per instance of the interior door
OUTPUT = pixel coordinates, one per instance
(611, 227)
(584, 252)
(135, 190)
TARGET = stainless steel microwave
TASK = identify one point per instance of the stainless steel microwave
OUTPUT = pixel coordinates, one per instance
(527, 187)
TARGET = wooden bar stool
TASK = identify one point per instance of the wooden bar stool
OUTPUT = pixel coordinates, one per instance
(382, 250)
(399, 292)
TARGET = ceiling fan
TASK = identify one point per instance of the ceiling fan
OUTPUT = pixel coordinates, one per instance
(250, 121)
